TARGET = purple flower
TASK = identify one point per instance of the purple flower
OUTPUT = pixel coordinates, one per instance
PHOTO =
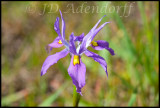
(77, 68)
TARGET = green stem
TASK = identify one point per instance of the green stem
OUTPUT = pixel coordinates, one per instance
(76, 97)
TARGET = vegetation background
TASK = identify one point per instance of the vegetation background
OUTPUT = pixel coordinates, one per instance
(133, 72)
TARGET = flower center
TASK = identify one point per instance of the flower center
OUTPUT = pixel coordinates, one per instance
(94, 43)
(75, 60)
(60, 42)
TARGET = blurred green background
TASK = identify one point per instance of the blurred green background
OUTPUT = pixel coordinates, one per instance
(133, 72)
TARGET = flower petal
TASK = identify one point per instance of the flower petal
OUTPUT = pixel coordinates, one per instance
(66, 44)
(77, 73)
(89, 37)
(56, 27)
(103, 44)
(72, 47)
(93, 34)
(79, 38)
(96, 24)
(52, 59)
(54, 44)
(98, 59)
(63, 27)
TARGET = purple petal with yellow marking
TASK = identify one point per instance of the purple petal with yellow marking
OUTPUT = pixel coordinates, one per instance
(77, 73)
(54, 44)
(103, 45)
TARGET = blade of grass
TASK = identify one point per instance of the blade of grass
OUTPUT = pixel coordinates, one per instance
(149, 29)
(127, 40)
(63, 70)
(7, 100)
(54, 96)
(132, 99)
(127, 84)
(146, 25)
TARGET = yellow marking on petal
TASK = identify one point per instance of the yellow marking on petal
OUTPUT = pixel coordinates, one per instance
(94, 43)
(75, 60)
(60, 42)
